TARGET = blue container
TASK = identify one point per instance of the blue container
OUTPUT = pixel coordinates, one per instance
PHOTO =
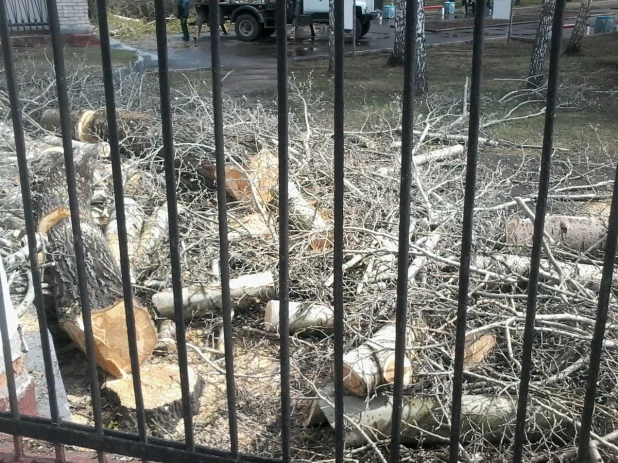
(603, 24)
(388, 12)
(449, 7)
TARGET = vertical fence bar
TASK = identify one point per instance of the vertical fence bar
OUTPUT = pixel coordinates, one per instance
(339, 165)
(24, 181)
(407, 142)
(217, 109)
(468, 222)
(172, 205)
(8, 359)
(110, 104)
(65, 124)
(284, 229)
(539, 225)
(596, 347)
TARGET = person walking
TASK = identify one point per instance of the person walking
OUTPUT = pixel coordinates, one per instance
(183, 15)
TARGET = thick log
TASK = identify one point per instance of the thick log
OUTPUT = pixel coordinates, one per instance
(509, 265)
(477, 349)
(254, 181)
(166, 340)
(50, 120)
(103, 275)
(308, 317)
(576, 233)
(373, 362)
(140, 133)
(154, 233)
(303, 216)
(134, 217)
(483, 417)
(162, 398)
(200, 300)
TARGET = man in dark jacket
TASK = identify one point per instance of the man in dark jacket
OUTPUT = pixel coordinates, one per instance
(183, 15)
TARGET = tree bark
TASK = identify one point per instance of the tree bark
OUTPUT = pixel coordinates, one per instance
(511, 265)
(373, 362)
(577, 233)
(201, 300)
(421, 84)
(396, 57)
(575, 41)
(308, 317)
(103, 275)
(543, 34)
(494, 416)
(134, 216)
(152, 236)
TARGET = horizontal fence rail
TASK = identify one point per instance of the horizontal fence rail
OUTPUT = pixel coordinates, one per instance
(148, 448)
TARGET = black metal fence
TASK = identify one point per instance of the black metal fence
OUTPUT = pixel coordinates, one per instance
(26, 15)
(148, 448)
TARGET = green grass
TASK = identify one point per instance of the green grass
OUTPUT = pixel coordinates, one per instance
(75, 57)
(371, 83)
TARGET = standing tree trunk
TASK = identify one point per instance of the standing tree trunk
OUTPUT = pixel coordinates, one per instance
(420, 78)
(396, 58)
(575, 42)
(543, 33)
(331, 37)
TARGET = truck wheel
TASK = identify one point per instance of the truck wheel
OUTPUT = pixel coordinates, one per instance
(359, 29)
(365, 28)
(248, 28)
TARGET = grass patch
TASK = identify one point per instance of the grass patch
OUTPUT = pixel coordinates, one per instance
(589, 78)
(75, 57)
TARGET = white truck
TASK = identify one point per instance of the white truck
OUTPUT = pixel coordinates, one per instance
(254, 20)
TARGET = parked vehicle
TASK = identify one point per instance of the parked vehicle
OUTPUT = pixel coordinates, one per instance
(254, 20)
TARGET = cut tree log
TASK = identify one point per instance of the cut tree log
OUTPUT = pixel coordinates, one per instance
(134, 216)
(256, 180)
(154, 233)
(373, 362)
(140, 133)
(50, 120)
(162, 397)
(308, 317)
(510, 265)
(103, 275)
(200, 300)
(477, 349)
(424, 421)
(303, 216)
(576, 233)
(166, 340)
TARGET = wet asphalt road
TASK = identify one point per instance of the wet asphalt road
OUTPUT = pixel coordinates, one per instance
(251, 67)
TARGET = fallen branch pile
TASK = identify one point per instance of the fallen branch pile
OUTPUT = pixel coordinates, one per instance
(571, 270)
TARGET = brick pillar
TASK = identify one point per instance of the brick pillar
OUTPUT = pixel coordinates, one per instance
(73, 15)
(23, 381)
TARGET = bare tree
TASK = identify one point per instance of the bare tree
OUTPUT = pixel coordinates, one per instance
(331, 37)
(420, 77)
(543, 33)
(396, 57)
(575, 42)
